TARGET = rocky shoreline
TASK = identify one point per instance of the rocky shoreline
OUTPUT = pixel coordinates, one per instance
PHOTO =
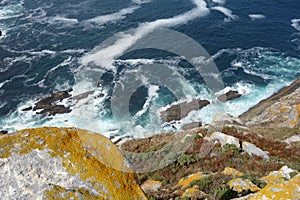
(253, 156)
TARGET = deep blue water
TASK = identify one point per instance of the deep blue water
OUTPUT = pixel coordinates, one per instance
(255, 45)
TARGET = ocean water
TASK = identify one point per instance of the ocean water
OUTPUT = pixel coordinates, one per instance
(48, 46)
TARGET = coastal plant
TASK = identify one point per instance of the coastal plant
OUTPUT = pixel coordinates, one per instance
(215, 186)
(185, 159)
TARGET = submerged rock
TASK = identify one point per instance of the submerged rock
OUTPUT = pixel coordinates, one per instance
(229, 96)
(51, 163)
(48, 104)
(181, 110)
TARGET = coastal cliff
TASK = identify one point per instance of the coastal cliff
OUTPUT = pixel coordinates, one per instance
(253, 156)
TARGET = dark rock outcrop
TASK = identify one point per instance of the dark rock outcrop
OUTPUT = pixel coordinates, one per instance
(181, 110)
(49, 105)
(2, 132)
(229, 96)
(191, 126)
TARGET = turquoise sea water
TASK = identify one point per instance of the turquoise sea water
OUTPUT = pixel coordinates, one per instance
(46, 44)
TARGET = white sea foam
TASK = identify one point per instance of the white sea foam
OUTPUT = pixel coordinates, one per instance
(219, 1)
(113, 17)
(11, 11)
(227, 12)
(256, 16)
(63, 20)
(296, 24)
(105, 57)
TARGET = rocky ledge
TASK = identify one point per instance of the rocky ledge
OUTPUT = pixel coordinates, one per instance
(64, 163)
(280, 110)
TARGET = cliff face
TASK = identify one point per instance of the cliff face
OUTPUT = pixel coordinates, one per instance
(280, 110)
(51, 163)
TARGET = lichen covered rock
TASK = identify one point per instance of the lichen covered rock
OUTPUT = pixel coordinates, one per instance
(51, 163)
(151, 186)
(283, 173)
(185, 182)
(223, 139)
(280, 110)
(194, 193)
(231, 171)
(239, 185)
(279, 190)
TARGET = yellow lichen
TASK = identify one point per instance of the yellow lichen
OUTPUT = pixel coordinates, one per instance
(151, 185)
(194, 193)
(239, 185)
(231, 171)
(90, 155)
(277, 176)
(280, 190)
(185, 182)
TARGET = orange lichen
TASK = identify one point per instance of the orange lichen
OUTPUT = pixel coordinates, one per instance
(231, 171)
(92, 156)
(239, 185)
(185, 182)
(280, 190)
(194, 193)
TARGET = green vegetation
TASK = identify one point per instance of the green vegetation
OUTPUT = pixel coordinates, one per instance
(215, 186)
(185, 159)
(293, 174)
(255, 180)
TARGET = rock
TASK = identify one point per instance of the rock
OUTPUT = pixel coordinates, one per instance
(194, 193)
(191, 126)
(283, 173)
(280, 110)
(294, 138)
(229, 96)
(280, 190)
(64, 163)
(231, 171)
(2, 132)
(185, 182)
(27, 109)
(251, 149)
(181, 110)
(55, 109)
(221, 120)
(150, 186)
(49, 104)
(242, 185)
(223, 139)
